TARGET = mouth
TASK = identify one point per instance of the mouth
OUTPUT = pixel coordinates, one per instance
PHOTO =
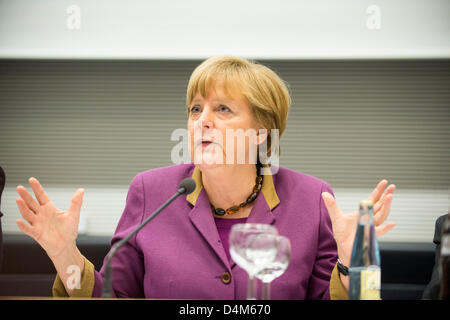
(205, 143)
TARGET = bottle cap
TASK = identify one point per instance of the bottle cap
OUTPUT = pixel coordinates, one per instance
(366, 203)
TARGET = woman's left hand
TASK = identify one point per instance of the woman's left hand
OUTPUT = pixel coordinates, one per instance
(344, 224)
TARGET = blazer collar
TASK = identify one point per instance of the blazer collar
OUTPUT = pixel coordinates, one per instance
(268, 188)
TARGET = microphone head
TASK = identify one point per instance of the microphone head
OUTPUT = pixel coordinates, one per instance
(188, 185)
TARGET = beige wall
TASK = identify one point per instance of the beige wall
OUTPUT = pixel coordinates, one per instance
(196, 29)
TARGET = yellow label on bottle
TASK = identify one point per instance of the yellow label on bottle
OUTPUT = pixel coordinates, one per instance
(370, 284)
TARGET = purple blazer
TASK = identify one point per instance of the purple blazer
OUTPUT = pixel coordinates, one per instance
(178, 255)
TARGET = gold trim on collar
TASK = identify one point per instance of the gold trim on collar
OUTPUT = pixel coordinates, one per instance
(268, 188)
(197, 176)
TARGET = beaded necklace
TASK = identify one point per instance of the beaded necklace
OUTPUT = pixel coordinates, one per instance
(252, 197)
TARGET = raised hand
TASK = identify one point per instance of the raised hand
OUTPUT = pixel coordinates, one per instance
(344, 224)
(55, 230)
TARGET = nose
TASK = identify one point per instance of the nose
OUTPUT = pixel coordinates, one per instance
(206, 119)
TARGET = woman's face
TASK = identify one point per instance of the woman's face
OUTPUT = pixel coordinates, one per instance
(214, 117)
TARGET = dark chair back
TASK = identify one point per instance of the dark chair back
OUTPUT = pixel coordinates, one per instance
(2, 186)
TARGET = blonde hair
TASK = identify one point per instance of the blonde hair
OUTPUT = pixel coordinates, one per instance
(265, 92)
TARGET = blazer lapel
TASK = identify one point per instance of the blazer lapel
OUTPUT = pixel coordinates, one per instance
(203, 220)
(261, 212)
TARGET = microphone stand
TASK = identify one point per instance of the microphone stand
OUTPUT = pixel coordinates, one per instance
(107, 284)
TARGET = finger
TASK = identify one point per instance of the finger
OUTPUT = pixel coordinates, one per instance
(379, 204)
(27, 214)
(378, 191)
(25, 228)
(39, 192)
(26, 196)
(381, 230)
(383, 213)
(77, 201)
(330, 203)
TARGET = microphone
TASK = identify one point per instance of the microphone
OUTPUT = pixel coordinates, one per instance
(186, 186)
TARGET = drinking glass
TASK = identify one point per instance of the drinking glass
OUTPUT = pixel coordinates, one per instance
(252, 247)
(276, 267)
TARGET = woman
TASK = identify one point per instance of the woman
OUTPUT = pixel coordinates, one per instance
(183, 253)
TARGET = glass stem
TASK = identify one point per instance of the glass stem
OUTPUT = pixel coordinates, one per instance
(251, 288)
(266, 291)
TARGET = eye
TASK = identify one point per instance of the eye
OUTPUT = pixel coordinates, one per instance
(223, 108)
(195, 109)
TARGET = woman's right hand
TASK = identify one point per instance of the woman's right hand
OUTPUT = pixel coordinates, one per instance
(53, 229)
